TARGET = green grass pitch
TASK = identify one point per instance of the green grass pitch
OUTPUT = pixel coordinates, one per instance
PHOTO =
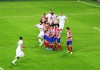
(18, 18)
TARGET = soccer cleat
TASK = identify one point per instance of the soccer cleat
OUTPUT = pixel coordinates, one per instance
(40, 45)
(67, 52)
(13, 63)
(71, 52)
(47, 48)
(51, 49)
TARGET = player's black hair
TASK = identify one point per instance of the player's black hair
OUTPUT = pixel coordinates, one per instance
(46, 18)
(44, 13)
(52, 13)
(50, 9)
(57, 25)
(67, 28)
(52, 25)
(44, 22)
(20, 38)
(41, 21)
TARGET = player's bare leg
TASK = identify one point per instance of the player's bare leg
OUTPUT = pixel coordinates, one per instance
(68, 49)
(16, 58)
(40, 41)
(71, 50)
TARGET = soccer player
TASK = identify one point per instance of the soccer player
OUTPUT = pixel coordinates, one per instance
(69, 40)
(52, 37)
(58, 37)
(41, 34)
(51, 17)
(19, 52)
(48, 16)
(62, 19)
(46, 34)
(54, 16)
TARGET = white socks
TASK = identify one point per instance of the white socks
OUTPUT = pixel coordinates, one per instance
(40, 41)
(14, 60)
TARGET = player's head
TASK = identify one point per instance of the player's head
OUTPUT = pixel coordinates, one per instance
(67, 28)
(46, 19)
(50, 10)
(52, 13)
(20, 38)
(61, 14)
(41, 22)
(44, 14)
(57, 25)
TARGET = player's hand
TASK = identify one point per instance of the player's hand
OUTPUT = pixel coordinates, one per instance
(34, 26)
(24, 47)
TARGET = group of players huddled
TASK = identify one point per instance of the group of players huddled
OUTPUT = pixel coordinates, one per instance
(50, 30)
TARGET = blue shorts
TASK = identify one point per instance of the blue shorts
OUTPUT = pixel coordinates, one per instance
(44, 37)
(48, 39)
(69, 42)
(58, 40)
(52, 39)
(55, 39)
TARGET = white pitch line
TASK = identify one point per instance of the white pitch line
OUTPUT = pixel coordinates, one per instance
(96, 28)
(41, 15)
(90, 4)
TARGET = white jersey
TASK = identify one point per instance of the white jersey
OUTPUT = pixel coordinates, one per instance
(19, 52)
(20, 42)
(41, 34)
(40, 27)
(62, 19)
(48, 16)
(54, 17)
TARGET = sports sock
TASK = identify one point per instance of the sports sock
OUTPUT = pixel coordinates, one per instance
(42, 42)
(68, 48)
(39, 41)
(53, 47)
(47, 44)
(15, 60)
(59, 47)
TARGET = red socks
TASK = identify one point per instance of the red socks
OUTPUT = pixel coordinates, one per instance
(51, 45)
(59, 47)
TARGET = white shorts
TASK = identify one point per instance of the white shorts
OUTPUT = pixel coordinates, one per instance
(61, 26)
(41, 34)
(19, 53)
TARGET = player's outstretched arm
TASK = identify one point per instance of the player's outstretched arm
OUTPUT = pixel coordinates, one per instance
(23, 46)
(34, 26)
